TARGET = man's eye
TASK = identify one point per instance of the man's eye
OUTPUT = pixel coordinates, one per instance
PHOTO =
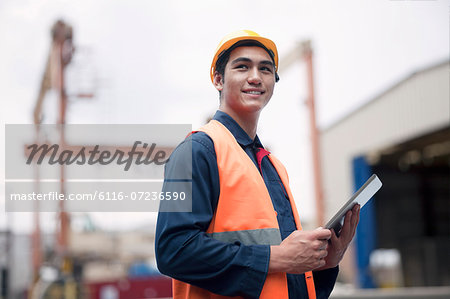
(241, 66)
(265, 68)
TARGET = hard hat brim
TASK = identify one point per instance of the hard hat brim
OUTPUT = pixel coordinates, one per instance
(267, 43)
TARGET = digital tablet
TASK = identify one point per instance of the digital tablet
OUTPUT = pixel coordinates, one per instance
(361, 197)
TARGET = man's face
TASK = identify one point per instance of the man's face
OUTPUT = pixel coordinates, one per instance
(249, 80)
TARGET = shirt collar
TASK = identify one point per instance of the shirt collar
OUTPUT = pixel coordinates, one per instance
(239, 134)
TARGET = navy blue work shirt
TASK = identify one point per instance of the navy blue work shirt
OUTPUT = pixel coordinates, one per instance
(185, 252)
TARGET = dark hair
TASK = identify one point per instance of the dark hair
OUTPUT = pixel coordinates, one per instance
(225, 56)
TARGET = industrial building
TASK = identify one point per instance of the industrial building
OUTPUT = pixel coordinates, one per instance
(402, 135)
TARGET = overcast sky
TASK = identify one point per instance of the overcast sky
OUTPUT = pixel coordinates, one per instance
(148, 62)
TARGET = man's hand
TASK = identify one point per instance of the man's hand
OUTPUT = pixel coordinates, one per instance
(300, 252)
(338, 245)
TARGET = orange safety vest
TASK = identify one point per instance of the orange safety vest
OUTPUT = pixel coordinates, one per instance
(244, 212)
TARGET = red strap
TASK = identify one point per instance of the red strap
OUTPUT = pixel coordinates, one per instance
(260, 154)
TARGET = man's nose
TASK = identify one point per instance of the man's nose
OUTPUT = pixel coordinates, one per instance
(254, 77)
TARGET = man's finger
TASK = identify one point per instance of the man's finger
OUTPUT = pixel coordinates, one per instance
(322, 234)
(334, 237)
(347, 219)
(355, 220)
(357, 212)
(347, 229)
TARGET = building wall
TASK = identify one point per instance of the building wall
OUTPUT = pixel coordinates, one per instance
(415, 106)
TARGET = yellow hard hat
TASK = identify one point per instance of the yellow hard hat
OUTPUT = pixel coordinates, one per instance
(229, 40)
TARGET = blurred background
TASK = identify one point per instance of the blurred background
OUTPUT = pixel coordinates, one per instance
(364, 89)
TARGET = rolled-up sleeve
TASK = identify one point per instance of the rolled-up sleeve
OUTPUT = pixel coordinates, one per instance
(183, 249)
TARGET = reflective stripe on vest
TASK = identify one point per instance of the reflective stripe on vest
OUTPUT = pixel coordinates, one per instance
(244, 211)
(265, 236)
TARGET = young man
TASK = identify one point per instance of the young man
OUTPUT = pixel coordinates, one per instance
(243, 236)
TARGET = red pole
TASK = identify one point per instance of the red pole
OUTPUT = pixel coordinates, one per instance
(60, 55)
(63, 215)
(62, 37)
(315, 147)
(36, 236)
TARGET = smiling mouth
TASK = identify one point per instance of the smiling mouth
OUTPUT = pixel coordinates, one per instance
(254, 92)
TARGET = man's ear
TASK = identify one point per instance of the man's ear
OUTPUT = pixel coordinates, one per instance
(218, 81)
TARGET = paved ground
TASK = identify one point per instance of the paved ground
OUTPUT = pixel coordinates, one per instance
(398, 293)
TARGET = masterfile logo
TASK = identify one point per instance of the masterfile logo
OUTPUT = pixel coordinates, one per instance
(92, 168)
(105, 157)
